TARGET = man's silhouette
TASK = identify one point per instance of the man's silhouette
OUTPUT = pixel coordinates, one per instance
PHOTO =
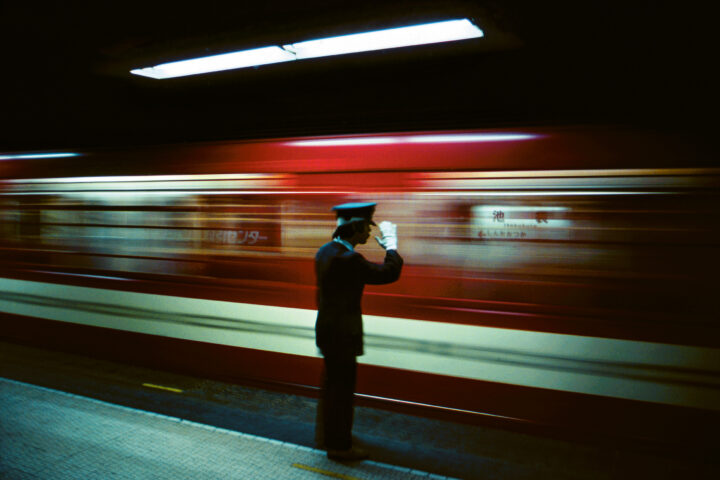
(342, 273)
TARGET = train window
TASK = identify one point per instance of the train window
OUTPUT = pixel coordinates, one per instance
(235, 224)
(9, 222)
(307, 224)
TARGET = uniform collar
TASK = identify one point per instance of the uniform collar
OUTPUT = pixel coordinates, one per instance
(345, 243)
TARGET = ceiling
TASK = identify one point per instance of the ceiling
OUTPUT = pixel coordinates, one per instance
(66, 82)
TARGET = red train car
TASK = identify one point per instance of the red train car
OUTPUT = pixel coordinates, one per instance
(558, 276)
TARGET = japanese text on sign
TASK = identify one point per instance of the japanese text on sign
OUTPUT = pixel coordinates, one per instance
(519, 222)
(234, 237)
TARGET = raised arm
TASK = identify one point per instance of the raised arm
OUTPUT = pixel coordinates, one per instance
(381, 273)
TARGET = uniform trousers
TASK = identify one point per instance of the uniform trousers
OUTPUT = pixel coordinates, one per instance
(335, 407)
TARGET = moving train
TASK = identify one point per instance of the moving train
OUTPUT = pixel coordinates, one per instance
(562, 277)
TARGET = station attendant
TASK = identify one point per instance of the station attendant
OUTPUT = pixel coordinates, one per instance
(342, 273)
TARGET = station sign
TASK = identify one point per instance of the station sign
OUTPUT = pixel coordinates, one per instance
(519, 222)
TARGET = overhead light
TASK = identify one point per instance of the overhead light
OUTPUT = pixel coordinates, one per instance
(448, 138)
(29, 156)
(471, 138)
(341, 142)
(437, 32)
(216, 63)
(427, 33)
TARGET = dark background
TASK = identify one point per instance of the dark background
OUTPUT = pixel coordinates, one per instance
(65, 77)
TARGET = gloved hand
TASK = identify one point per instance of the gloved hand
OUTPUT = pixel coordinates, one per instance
(389, 236)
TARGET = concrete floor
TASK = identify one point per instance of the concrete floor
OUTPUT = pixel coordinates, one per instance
(430, 445)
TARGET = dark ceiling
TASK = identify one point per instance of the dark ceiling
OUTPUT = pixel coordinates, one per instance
(65, 80)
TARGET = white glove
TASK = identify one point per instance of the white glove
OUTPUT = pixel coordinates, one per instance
(389, 236)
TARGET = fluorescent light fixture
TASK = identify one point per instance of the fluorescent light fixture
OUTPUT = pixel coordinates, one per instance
(449, 138)
(471, 138)
(216, 63)
(340, 142)
(30, 156)
(436, 32)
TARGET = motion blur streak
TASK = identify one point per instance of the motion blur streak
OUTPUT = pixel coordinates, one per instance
(150, 178)
(574, 173)
(32, 156)
(618, 368)
(455, 138)
(573, 268)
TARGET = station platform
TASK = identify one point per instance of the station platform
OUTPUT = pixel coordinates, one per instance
(69, 416)
(49, 434)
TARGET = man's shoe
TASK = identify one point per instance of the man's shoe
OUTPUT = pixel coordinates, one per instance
(349, 455)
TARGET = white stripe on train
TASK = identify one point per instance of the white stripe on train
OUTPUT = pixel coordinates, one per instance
(669, 374)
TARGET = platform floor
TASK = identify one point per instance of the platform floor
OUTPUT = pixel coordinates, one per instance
(49, 434)
(204, 428)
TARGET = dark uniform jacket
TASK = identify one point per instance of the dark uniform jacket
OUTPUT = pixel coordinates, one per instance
(341, 277)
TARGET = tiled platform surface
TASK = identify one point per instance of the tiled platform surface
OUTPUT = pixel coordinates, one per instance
(48, 434)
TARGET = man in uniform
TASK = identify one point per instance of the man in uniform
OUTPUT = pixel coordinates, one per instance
(342, 273)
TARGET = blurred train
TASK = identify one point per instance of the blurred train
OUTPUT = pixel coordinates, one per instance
(553, 276)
